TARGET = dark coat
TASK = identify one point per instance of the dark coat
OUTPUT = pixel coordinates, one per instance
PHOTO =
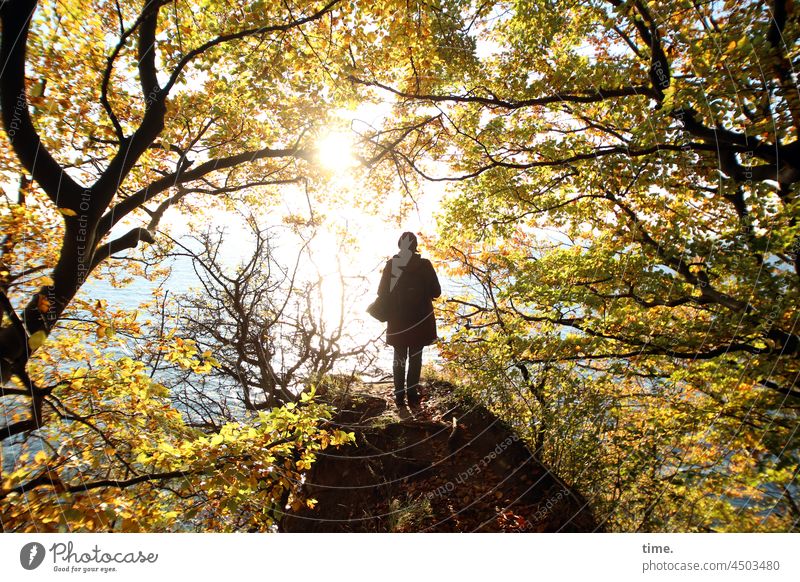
(411, 320)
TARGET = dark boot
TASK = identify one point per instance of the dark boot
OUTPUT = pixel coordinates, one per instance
(414, 368)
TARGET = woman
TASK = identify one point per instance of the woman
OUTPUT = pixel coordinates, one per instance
(409, 284)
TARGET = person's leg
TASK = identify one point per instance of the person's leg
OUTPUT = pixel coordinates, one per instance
(414, 371)
(399, 372)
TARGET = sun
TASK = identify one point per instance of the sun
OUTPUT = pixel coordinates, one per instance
(335, 152)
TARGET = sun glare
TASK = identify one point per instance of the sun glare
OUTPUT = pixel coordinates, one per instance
(335, 152)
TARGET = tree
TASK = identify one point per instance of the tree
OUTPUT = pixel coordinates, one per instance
(625, 176)
(114, 112)
(220, 85)
(262, 319)
(126, 133)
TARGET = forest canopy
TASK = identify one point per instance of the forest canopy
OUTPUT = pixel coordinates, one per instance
(618, 224)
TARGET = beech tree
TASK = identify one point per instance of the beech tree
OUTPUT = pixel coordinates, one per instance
(114, 112)
(624, 179)
(622, 214)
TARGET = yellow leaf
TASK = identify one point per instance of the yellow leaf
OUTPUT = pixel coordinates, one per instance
(67, 212)
(40, 457)
(36, 340)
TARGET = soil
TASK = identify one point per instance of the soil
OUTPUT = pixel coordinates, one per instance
(414, 470)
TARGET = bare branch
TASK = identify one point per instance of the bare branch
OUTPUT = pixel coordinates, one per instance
(135, 200)
(129, 240)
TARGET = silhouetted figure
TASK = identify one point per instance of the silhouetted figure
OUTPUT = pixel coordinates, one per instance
(410, 284)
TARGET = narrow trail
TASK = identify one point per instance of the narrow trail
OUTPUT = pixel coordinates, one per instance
(414, 470)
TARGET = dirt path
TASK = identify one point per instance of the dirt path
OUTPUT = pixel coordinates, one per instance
(411, 470)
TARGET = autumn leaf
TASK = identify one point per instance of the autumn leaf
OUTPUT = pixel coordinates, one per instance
(42, 303)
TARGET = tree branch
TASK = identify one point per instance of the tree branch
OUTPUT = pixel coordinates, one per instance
(699, 281)
(125, 34)
(243, 34)
(129, 240)
(597, 153)
(37, 398)
(592, 96)
(35, 158)
(131, 148)
(135, 200)
(148, 76)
